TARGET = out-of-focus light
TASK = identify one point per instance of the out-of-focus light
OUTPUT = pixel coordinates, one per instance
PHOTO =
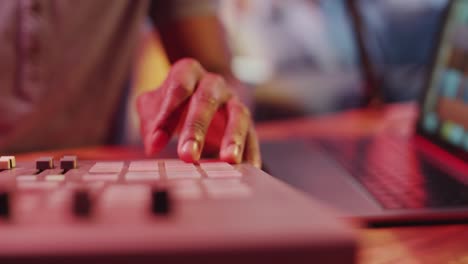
(251, 70)
(416, 3)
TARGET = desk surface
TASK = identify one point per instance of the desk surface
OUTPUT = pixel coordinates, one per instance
(425, 245)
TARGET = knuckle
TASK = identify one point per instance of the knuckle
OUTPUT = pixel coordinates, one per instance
(208, 99)
(183, 77)
(216, 80)
(188, 64)
(182, 89)
(211, 92)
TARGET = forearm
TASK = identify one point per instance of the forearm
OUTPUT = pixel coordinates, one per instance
(192, 29)
(201, 38)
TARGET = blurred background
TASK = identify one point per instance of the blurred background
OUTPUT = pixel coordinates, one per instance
(302, 57)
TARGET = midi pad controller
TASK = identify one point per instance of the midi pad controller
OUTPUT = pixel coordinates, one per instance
(142, 211)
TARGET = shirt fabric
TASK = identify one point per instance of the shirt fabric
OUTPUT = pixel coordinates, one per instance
(64, 64)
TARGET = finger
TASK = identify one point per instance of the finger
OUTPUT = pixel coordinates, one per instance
(178, 87)
(210, 94)
(252, 149)
(156, 140)
(173, 95)
(232, 146)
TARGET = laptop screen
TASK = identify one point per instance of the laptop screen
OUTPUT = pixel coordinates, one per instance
(444, 112)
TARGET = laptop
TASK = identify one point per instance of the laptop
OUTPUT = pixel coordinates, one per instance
(390, 178)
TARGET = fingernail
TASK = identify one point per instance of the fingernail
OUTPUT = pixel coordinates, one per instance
(234, 151)
(193, 148)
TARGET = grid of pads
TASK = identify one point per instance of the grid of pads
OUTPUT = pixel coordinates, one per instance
(187, 181)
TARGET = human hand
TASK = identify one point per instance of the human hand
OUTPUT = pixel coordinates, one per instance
(203, 109)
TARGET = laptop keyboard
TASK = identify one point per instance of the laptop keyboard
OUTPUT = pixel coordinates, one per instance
(396, 175)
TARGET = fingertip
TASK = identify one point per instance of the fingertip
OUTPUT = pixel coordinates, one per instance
(257, 164)
(255, 159)
(190, 151)
(231, 154)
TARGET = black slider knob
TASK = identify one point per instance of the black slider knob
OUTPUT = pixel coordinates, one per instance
(5, 201)
(68, 163)
(82, 204)
(160, 202)
(45, 163)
